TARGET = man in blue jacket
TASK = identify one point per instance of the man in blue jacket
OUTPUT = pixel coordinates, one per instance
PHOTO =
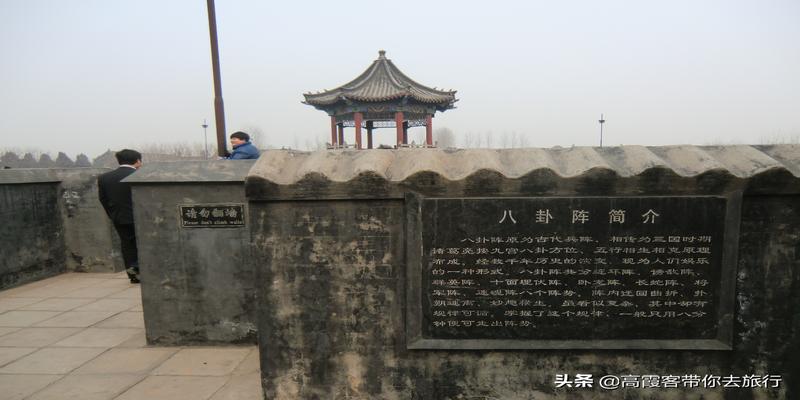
(242, 148)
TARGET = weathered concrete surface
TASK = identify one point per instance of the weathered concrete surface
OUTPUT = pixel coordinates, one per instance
(370, 174)
(87, 237)
(331, 276)
(768, 315)
(197, 283)
(288, 167)
(91, 242)
(31, 232)
(193, 171)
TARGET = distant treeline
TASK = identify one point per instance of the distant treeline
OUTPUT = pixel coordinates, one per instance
(11, 159)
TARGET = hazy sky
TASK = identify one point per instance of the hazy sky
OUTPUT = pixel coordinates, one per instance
(88, 75)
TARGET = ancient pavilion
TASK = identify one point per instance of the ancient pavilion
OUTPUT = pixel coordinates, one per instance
(381, 97)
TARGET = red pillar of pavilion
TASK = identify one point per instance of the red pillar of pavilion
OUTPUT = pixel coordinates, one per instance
(398, 121)
(334, 140)
(341, 133)
(429, 130)
(358, 117)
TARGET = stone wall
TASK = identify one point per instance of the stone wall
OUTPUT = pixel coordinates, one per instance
(197, 282)
(91, 242)
(85, 240)
(331, 253)
(31, 233)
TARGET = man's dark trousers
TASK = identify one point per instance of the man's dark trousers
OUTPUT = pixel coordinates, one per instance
(127, 241)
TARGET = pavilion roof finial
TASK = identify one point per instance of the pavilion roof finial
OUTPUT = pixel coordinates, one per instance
(381, 53)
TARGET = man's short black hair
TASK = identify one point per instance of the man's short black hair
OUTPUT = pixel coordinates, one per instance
(128, 156)
(241, 136)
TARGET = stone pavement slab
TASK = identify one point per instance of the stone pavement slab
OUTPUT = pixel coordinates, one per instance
(108, 304)
(241, 387)
(138, 340)
(15, 303)
(250, 364)
(56, 304)
(123, 283)
(24, 318)
(15, 292)
(9, 354)
(7, 330)
(98, 337)
(124, 320)
(56, 289)
(87, 387)
(17, 387)
(76, 319)
(127, 361)
(203, 361)
(174, 388)
(133, 293)
(51, 361)
(92, 292)
(36, 337)
(81, 336)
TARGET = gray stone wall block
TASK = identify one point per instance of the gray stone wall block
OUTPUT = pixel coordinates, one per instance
(87, 238)
(31, 234)
(331, 288)
(197, 283)
(92, 244)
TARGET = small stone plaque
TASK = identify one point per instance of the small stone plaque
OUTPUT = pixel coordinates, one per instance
(212, 215)
(579, 272)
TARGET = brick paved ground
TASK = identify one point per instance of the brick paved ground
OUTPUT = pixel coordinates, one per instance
(81, 336)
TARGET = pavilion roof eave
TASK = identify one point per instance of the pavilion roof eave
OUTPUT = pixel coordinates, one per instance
(333, 103)
(382, 81)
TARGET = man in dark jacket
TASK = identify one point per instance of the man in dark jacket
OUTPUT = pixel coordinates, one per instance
(242, 148)
(115, 196)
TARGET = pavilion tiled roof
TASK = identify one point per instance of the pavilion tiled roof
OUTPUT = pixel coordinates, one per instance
(382, 81)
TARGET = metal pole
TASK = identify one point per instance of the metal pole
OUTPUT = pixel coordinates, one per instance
(602, 121)
(205, 139)
(219, 109)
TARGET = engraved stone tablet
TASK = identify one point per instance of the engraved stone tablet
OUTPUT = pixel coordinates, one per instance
(581, 272)
(212, 215)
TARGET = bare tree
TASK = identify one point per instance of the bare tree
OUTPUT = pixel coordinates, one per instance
(504, 140)
(105, 160)
(10, 159)
(489, 138)
(82, 161)
(172, 151)
(314, 144)
(777, 138)
(523, 141)
(468, 140)
(63, 160)
(45, 161)
(28, 161)
(444, 137)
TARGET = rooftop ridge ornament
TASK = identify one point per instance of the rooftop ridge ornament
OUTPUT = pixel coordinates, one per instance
(380, 95)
